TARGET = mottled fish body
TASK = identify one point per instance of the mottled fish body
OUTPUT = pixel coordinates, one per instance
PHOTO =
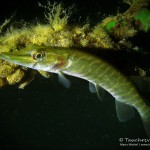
(80, 63)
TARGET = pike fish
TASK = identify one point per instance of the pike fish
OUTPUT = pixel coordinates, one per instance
(86, 65)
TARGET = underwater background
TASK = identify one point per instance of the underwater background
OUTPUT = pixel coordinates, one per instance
(45, 115)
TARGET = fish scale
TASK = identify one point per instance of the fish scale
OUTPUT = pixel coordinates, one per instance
(86, 65)
(111, 80)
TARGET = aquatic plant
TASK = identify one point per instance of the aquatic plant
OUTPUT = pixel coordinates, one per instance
(58, 33)
(56, 15)
(4, 24)
(143, 16)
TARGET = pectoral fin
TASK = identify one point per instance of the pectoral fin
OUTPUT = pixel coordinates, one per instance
(124, 111)
(92, 87)
(63, 80)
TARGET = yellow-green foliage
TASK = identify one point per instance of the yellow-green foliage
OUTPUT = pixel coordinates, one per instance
(52, 34)
(56, 32)
(4, 24)
(56, 15)
(80, 35)
(102, 38)
(13, 39)
(45, 35)
(129, 2)
(133, 2)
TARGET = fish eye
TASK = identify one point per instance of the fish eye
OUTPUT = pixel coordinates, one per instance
(38, 55)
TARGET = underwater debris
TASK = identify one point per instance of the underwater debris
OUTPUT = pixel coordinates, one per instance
(15, 77)
(11, 74)
(141, 71)
(2, 82)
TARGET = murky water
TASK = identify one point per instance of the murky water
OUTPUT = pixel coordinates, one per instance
(45, 115)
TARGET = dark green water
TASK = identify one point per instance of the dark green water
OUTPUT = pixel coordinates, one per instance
(46, 116)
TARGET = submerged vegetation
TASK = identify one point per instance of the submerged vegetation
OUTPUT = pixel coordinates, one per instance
(112, 32)
(56, 15)
(4, 24)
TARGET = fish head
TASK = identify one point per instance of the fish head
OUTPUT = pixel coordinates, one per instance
(45, 58)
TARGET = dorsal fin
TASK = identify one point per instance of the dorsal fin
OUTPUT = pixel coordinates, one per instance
(124, 111)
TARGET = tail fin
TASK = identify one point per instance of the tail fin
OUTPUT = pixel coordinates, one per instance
(146, 123)
(145, 116)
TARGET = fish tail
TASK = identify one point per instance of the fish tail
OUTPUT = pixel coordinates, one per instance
(145, 116)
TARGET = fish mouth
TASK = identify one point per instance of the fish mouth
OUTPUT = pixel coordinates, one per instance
(5, 56)
(21, 60)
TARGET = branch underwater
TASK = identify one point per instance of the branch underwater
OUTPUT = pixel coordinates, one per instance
(58, 47)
